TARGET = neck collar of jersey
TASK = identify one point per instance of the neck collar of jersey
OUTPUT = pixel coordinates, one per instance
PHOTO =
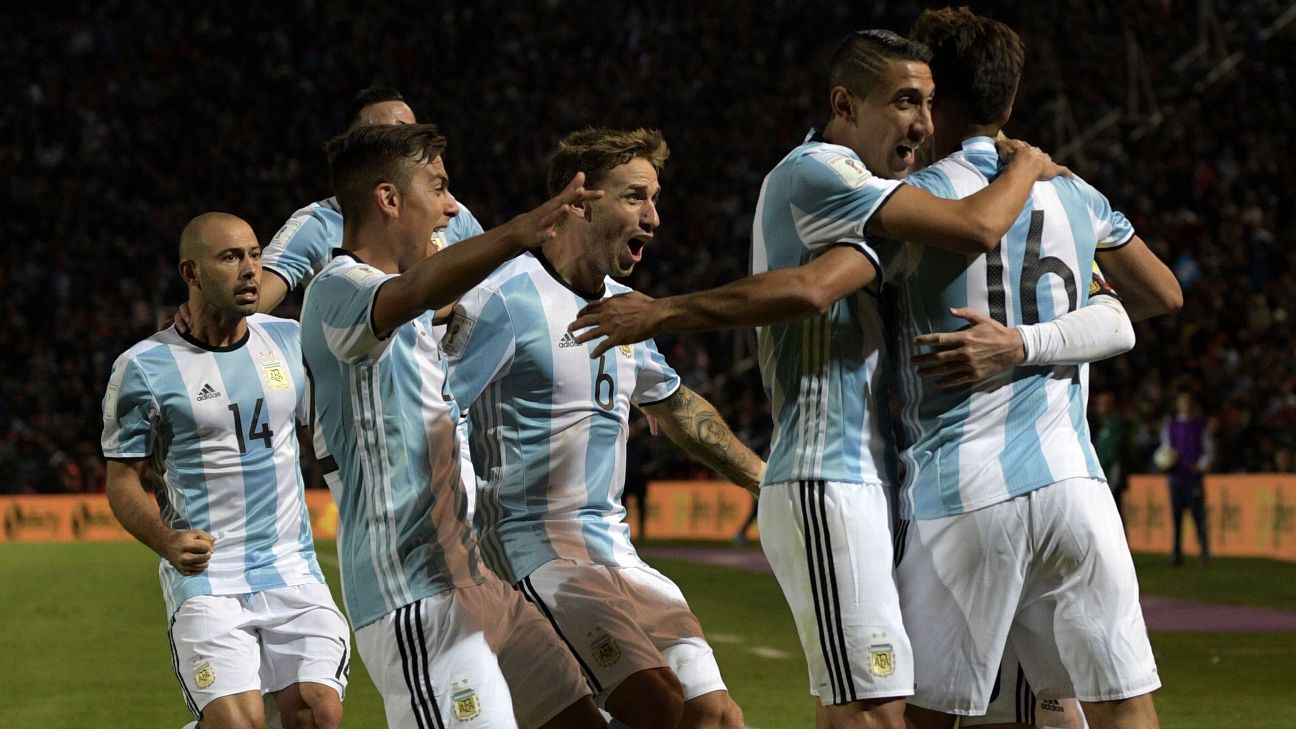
(980, 144)
(247, 334)
(344, 252)
(549, 268)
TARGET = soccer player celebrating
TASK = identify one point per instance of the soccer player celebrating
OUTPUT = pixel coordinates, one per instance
(306, 241)
(215, 408)
(824, 518)
(549, 443)
(445, 640)
(1010, 534)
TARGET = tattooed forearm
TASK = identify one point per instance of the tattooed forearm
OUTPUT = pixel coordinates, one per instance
(695, 426)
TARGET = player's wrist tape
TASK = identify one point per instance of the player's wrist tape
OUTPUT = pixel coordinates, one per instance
(1097, 331)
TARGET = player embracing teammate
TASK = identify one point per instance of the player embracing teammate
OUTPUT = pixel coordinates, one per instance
(991, 246)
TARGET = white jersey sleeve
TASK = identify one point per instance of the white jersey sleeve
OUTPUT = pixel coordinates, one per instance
(301, 248)
(833, 198)
(345, 303)
(479, 342)
(129, 408)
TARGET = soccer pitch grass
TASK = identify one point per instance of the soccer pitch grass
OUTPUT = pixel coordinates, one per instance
(83, 643)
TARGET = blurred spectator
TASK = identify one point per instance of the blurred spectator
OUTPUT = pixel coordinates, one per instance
(1114, 436)
(1187, 434)
(638, 463)
(123, 119)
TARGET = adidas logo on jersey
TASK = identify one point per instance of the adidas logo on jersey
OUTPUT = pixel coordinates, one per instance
(207, 392)
(567, 341)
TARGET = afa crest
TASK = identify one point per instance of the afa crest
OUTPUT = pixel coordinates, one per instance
(881, 660)
(465, 702)
(272, 370)
(606, 650)
(204, 675)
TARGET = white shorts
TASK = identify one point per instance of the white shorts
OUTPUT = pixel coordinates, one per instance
(259, 641)
(619, 621)
(1014, 701)
(830, 546)
(479, 656)
(1048, 573)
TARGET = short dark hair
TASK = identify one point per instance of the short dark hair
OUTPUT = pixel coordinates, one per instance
(366, 156)
(861, 57)
(367, 97)
(976, 61)
(596, 152)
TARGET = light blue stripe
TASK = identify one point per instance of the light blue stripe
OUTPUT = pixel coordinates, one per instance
(1076, 408)
(185, 474)
(1024, 463)
(260, 479)
(1083, 233)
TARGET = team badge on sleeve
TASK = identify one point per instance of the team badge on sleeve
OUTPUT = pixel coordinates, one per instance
(852, 171)
(464, 700)
(286, 232)
(110, 403)
(457, 333)
(881, 659)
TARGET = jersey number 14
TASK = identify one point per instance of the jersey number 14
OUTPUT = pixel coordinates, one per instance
(257, 430)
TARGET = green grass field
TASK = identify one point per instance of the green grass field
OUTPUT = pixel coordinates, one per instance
(83, 643)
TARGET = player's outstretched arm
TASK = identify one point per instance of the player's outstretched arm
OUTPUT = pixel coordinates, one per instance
(441, 279)
(187, 551)
(694, 425)
(970, 225)
(773, 297)
(1148, 287)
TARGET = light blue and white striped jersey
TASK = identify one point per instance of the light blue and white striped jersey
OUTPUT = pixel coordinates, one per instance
(972, 446)
(303, 245)
(549, 424)
(823, 374)
(387, 419)
(220, 422)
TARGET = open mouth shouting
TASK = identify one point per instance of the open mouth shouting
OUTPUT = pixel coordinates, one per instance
(636, 246)
(906, 154)
(246, 294)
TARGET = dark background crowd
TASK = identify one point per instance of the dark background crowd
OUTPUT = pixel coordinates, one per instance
(122, 120)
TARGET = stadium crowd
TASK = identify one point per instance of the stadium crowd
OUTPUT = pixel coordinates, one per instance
(124, 119)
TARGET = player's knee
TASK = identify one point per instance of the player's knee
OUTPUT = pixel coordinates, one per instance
(239, 711)
(325, 716)
(233, 720)
(715, 710)
(322, 710)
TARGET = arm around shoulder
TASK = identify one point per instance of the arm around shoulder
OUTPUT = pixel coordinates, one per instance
(772, 297)
(972, 225)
